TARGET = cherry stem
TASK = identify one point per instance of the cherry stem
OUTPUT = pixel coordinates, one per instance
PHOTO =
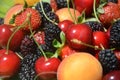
(73, 18)
(94, 10)
(88, 45)
(40, 48)
(12, 35)
(46, 15)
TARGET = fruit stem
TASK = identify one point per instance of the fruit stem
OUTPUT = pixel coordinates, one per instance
(46, 15)
(88, 45)
(94, 10)
(73, 18)
(18, 28)
(40, 48)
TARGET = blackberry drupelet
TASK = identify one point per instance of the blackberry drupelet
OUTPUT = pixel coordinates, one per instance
(115, 35)
(1, 21)
(52, 32)
(108, 60)
(62, 3)
(114, 1)
(28, 45)
(96, 26)
(46, 8)
(27, 69)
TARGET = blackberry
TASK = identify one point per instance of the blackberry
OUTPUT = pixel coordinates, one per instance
(28, 45)
(114, 1)
(115, 35)
(46, 7)
(62, 3)
(96, 26)
(52, 32)
(1, 21)
(27, 69)
(108, 60)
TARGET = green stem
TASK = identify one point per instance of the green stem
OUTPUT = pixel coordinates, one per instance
(94, 10)
(46, 15)
(73, 18)
(40, 48)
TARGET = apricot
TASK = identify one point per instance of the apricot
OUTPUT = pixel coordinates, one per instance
(80, 66)
(12, 11)
(64, 14)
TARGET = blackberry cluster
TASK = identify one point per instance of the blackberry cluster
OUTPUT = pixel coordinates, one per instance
(115, 35)
(52, 32)
(1, 21)
(63, 3)
(28, 45)
(108, 60)
(27, 69)
(96, 26)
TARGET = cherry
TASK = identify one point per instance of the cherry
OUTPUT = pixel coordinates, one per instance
(5, 33)
(16, 40)
(117, 53)
(81, 32)
(47, 67)
(9, 63)
(63, 25)
(100, 39)
(114, 75)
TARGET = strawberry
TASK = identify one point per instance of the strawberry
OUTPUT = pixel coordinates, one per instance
(35, 18)
(111, 12)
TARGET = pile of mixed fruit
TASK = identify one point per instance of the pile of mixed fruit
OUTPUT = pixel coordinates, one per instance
(60, 40)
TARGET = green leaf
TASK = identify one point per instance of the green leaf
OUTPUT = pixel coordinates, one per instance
(82, 17)
(4, 6)
(12, 20)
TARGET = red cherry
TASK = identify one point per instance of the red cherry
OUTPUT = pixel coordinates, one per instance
(86, 5)
(117, 53)
(63, 25)
(16, 40)
(9, 63)
(100, 38)
(114, 75)
(47, 66)
(5, 33)
(80, 32)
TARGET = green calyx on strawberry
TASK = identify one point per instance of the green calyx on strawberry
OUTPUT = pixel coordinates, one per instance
(21, 16)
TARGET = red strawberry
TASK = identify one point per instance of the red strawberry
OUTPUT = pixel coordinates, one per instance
(111, 12)
(35, 18)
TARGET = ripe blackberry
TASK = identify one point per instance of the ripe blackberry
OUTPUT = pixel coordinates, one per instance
(28, 45)
(108, 60)
(1, 21)
(96, 26)
(115, 35)
(63, 3)
(114, 1)
(52, 32)
(27, 69)
(46, 8)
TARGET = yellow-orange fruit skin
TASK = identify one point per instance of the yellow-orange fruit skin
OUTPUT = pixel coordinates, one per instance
(80, 66)
(64, 14)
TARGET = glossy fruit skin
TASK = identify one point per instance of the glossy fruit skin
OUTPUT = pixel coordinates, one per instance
(9, 63)
(80, 32)
(5, 33)
(63, 25)
(43, 66)
(16, 40)
(114, 75)
(100, 38)
(86, 5)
